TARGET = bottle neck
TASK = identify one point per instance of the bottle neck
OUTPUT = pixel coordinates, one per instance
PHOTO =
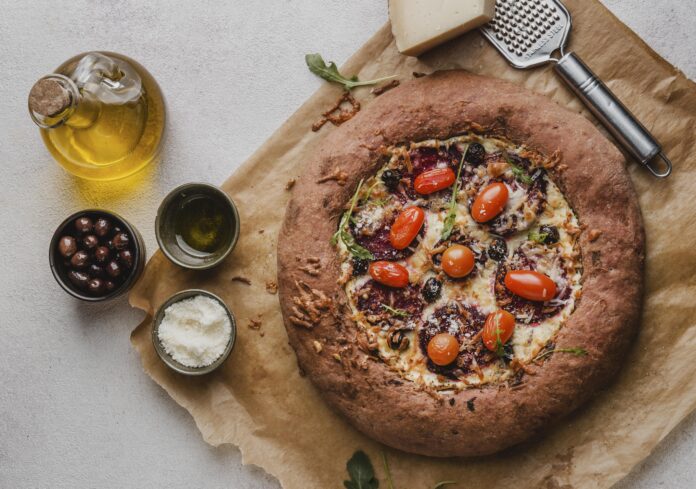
(55, 100)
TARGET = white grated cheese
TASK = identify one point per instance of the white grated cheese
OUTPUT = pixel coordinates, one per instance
(195, 331)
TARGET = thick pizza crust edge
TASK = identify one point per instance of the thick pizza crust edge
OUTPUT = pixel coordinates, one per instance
(592, 176)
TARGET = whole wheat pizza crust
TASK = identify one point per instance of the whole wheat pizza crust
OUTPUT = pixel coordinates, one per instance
(475, 421)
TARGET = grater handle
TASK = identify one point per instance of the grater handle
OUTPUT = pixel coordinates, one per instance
(618, 120)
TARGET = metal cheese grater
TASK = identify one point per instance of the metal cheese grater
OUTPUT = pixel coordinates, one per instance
(529, 32)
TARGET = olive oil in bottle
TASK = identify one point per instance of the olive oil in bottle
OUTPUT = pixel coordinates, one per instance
(101, 115)
(202, 226)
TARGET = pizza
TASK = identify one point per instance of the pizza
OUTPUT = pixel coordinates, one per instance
(474, 275)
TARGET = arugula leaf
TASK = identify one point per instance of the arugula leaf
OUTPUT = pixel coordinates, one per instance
(520, 173)
(318, 66)
(344, 234)
(396, 312)
(581, 352)
(443, 484)
(538, 237)
(499, 348)
(452, 212)
(361, 472)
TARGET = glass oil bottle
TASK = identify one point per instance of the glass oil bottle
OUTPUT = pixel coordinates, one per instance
(101, 115)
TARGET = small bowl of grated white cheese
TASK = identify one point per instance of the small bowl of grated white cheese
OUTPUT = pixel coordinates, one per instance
(193, 332)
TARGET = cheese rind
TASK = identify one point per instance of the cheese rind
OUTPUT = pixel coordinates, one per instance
(419, 25)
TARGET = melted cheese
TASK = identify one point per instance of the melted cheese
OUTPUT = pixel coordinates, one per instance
(560, 261)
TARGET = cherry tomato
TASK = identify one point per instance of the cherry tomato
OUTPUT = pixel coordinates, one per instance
(406, 227)
(531, 285)
(433, 180)
(389, 273)
(458, 261)
(443, 349)
(489, 202)
(499, 327)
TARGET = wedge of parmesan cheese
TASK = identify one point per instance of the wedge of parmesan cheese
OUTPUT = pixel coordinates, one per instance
(419, 25)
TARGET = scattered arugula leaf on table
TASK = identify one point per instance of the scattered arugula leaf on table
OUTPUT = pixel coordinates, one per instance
(318, 66)
(361, 472)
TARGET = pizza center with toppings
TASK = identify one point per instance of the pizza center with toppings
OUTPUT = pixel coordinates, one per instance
(460, 260)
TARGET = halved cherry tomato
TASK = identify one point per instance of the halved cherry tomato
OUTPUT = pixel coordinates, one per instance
(443, 349)
(389, 273)
(406, 227)
(531, 285)
(489, 202)
(458, 261)
(433, 180)
(498, 328)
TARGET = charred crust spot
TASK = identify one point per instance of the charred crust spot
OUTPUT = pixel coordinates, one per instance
(470, 404)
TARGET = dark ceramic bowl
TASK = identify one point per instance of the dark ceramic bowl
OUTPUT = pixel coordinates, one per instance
(166, 358)
(60, 270)
(165, 228)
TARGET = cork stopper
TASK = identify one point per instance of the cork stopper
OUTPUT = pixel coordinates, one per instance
(48, 98)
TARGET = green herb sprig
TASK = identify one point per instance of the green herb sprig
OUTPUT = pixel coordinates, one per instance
(318, 66)
(452, 212)
(443, 484)
(518, 172)
(343, 232)
(581, 352)
(390, 482)
(361, 472)
(395, 312)
(538, 237)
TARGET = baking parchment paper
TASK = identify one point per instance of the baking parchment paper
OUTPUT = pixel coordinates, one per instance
(260, 402)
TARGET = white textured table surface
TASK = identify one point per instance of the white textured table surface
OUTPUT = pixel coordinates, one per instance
(76, 410)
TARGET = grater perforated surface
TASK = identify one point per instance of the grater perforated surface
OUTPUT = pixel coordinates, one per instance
(527, 32)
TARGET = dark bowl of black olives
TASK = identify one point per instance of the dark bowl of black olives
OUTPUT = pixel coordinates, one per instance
(96, 255)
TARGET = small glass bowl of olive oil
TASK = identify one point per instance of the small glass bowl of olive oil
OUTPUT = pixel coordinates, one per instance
(197, 226)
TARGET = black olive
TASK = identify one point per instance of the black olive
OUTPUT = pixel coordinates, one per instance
(391, 179)
(101, 254)
(475, 154)
(80, 260)
(498, 249)
(84, 225)
(95, 271)
(78, 279)
(90, 241)
(109, 285)
(550, 234)
(121, 241)
(360, 266)
(432, 289)
(67, 246)
(397, 340)
(113, 269)
(102, 227)
(126, 258)
(96, 286)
